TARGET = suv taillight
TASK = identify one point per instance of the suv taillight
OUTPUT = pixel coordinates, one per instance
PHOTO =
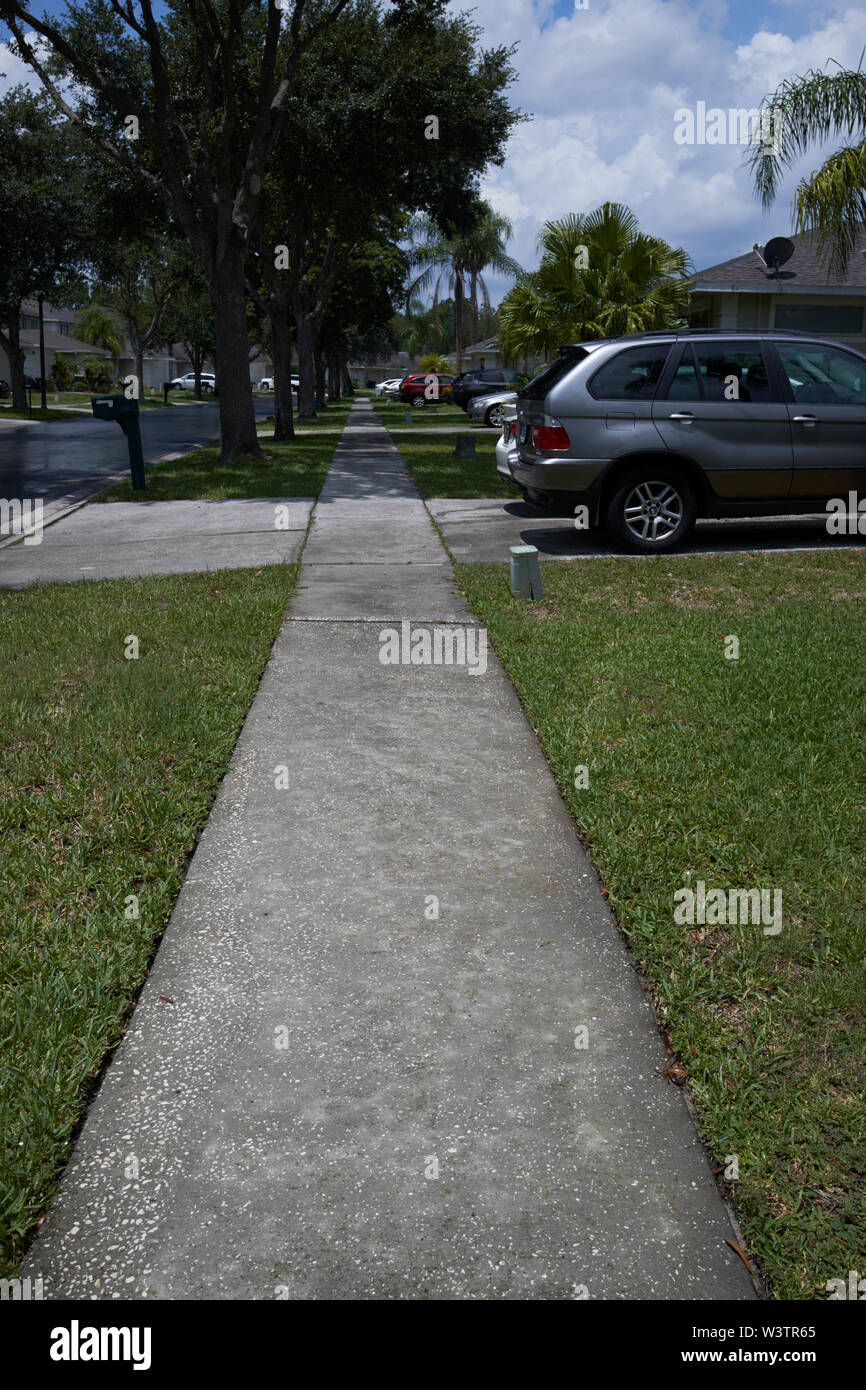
(550, 436)
(513, 428)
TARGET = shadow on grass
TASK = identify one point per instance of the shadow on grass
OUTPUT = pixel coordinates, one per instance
(296, 469)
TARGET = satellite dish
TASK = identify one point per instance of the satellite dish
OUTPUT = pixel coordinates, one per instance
(777, 251)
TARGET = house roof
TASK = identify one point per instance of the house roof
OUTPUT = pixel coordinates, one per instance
(60, 342)
(806, 271)
(487, 345)
(30, 307)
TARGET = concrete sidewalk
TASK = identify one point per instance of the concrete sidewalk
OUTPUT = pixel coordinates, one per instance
(353, 1071)
(119, 539)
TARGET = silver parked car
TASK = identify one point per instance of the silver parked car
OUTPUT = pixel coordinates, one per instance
(653, 430)
(388, 388)
(487, 410)
(506, 447)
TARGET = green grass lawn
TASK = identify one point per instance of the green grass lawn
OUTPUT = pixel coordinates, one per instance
(285, 470)
(430, 460)
(392, 414)
(57, 413)
(331, 416)
(743, 773)
(108, 768)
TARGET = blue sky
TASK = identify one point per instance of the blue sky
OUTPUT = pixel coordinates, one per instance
(603, 84)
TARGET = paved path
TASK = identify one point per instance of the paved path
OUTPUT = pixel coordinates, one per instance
(115, 539)
(327, 1091)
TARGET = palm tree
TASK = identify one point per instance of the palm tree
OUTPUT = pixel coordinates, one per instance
(600, 276)
(831, 202)
(95, 325)
(456, 259)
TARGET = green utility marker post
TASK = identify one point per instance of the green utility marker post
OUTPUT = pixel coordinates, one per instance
(465, 447)
(124, 410)
(525, 572)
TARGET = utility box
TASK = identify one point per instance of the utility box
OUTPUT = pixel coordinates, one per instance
(124, 411)
(525, 572)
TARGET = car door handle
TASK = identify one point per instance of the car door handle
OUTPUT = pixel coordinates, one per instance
(805, 420)
(682, 415)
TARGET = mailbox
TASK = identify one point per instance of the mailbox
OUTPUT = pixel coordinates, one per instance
(113, 407)
(124, 410)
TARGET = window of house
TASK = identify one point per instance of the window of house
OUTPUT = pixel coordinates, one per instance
(820, 318)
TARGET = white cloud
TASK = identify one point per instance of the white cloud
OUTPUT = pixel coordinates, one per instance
(603, 85)
(14, 72)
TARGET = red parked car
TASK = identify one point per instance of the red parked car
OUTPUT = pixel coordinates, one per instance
(420, 387)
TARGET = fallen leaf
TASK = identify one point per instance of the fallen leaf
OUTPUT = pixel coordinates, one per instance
(740, 1251)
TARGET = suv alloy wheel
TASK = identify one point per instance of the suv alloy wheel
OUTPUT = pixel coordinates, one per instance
(652, 508)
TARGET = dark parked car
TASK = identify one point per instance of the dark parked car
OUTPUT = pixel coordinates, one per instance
(653, 430)
(420, 387)
(484, 383)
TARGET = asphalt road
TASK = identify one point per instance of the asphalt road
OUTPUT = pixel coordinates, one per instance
(66, 461)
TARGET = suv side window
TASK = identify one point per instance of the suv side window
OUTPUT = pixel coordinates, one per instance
(630, 376)
(491, 376)
(821, 375)
(685, 385)
(733, 371)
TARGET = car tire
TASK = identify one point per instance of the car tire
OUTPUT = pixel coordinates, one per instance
(417, 401)
(652, 509)
(494, 415)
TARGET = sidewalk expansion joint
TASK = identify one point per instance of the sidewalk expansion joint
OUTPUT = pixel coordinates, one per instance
(394, 618)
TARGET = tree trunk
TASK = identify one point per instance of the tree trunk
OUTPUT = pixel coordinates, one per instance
(348, 384)
(306, 365)
(11, 341)
(237, 414)
(474, 307)
(335, 385)
(139, 368)
(458, 320)
(281, 353)
(320, 378)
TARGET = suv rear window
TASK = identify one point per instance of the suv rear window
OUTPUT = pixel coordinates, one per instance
(538, 387)
(632, 375)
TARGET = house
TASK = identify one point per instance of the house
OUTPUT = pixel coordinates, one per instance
(745, 293)
(59, 337)
(60, 341)
(487, 355)
(479, 356)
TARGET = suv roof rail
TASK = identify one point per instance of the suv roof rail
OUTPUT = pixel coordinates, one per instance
(566, 348)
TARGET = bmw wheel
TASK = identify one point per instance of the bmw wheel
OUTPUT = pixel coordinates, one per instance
(652, 509)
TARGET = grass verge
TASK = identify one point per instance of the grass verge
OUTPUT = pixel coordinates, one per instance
(108, 768)
(437, 473)
(9, 413)
(392, 413)
(285, 470)
(741, 773)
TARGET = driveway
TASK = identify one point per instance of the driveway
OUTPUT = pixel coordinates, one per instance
(484, 528)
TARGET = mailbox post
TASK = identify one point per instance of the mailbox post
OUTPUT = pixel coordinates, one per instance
(124, 410)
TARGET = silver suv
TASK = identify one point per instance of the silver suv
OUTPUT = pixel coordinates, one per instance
(650, 431)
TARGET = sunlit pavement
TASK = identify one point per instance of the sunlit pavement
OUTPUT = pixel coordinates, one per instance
(483, 529)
